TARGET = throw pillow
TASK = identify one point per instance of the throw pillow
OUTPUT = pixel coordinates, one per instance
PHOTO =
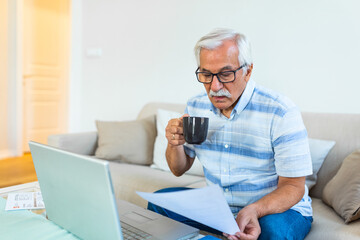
(162, 119)
(342, 192)
(319, 149)
(130, 142)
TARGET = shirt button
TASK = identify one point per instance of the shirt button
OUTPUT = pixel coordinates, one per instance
(226, 146)
(226, 190)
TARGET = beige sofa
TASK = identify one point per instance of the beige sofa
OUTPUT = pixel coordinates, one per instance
(344, 129)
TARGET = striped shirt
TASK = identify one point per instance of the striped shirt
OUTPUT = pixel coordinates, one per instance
(264, 138)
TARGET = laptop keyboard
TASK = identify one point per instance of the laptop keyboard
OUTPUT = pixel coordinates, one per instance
(130, 232)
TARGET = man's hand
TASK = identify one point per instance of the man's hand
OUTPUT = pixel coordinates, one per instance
(247, 220)
(176, 158)
(174, 131)
(289, 192)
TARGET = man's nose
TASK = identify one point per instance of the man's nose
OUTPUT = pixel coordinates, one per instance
(216, 85)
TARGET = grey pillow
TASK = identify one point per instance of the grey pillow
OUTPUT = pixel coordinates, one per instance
(319, 149)
(129, 142)
(342, 192)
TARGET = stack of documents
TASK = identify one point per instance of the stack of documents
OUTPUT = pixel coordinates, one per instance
(205, 205)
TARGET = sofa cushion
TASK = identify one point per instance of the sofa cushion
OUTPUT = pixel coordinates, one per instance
(81, 143)
(319, 149)
(343, 191)
(162, 119)
(328, 225)
(129, 178)
(130, 142)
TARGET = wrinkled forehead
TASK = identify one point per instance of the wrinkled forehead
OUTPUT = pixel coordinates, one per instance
(224, 55)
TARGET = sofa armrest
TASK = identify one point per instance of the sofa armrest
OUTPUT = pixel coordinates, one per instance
(82, 143)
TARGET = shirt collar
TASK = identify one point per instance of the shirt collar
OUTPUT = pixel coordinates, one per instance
(245, 97)
(243, 101)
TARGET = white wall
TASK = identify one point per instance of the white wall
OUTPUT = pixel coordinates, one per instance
(76, 56)
(309, 50)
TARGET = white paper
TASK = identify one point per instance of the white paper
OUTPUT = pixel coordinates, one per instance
(205, 205)
(24, 200)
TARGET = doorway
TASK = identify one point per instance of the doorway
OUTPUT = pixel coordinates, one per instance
(45, 68)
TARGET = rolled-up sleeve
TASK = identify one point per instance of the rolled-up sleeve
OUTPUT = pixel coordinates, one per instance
(291, 146)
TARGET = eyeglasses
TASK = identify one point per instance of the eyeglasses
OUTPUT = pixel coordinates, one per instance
(223, 77)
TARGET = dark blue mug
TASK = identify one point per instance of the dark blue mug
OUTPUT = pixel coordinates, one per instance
(195, 129)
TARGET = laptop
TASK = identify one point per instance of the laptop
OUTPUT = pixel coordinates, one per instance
(79, 196)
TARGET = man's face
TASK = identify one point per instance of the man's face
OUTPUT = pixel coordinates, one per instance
(224, 58)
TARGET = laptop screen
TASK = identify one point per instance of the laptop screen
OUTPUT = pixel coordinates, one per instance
(77, 192)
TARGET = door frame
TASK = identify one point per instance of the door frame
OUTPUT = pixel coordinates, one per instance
(15, 69)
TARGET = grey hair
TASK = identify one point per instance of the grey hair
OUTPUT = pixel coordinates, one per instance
(216, 38)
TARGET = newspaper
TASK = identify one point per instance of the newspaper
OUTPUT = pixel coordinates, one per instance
(24, 200)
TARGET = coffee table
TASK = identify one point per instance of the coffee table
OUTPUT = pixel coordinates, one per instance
(26, 187)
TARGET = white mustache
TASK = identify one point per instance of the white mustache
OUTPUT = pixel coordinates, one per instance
(220, 93)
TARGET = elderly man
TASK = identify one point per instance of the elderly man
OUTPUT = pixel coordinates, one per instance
(257, 148)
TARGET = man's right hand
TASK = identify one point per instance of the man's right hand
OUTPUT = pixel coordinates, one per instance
(174, 131)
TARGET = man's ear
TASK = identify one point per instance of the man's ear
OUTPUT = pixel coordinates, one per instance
(248, 72)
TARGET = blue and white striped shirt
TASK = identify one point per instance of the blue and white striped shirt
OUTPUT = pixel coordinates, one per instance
(264, 138)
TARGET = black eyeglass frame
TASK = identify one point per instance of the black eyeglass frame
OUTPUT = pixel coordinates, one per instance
(216, 74)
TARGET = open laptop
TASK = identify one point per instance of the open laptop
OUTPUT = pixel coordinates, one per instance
(79, 196)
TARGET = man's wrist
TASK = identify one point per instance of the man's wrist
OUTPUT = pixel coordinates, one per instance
(175, 147)
(256, 208)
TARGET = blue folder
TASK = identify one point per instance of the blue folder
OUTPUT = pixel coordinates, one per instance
(23, 224)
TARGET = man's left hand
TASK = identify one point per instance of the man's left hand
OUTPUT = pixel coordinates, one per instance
(247, 220)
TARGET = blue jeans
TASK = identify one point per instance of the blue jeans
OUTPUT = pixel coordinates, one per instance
(287, 225)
